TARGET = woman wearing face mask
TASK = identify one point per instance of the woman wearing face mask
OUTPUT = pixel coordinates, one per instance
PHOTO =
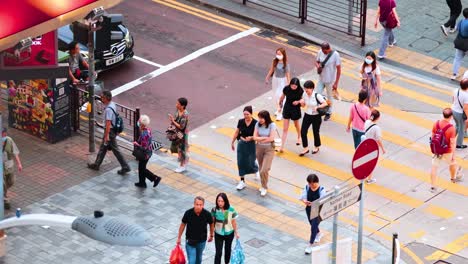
(370, 74)
(264, 135)
(280, 74)
(292, 95)
(245, 146)
(311, 101)
(144, 142)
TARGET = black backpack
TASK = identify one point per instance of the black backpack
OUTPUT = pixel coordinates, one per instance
(119, 124)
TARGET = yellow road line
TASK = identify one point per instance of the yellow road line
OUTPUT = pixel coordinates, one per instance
(403, 169)
(245, 207)
(346, 176)
(407, 93)
(427, 86)
(397, 113)
(280, 38)
(453, 248)
(212, 18)
(208, 14)
(287, 198)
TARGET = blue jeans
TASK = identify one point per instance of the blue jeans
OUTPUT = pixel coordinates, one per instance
(314, 229)
(195, 253)
(457, 60)
(460, 125)
(387, 38)
(357, 137)
(328, 87)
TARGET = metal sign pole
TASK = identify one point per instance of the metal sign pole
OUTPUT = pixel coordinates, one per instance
(335, 230)
(361, 220)
(92, 147)
(2, 205)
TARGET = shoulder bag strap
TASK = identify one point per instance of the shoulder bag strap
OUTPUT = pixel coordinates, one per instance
(370, 127)
(458, 99)
(327, 58)
(355, 107)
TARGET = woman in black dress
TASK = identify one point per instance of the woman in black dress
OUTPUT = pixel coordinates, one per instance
(245, 146)
(292, 109)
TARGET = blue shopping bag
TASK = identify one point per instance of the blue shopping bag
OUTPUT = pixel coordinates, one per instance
(237, 256)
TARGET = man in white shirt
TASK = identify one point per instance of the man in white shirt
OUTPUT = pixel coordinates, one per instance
(329, 70)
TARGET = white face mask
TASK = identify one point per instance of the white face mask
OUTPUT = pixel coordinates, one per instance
(279, 57)
(369, 61)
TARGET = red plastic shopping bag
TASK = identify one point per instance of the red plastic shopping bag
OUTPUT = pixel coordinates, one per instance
(177, 256)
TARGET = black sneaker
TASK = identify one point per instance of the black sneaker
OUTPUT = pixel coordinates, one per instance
(140, 185)
(156, 181)
(461, 146)
(327, 117)
(123, 171)
(93, 166)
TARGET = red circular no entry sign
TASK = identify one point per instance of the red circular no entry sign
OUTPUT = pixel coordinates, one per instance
(365, 159)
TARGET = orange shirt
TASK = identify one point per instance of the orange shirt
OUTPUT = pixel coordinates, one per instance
(450, 133)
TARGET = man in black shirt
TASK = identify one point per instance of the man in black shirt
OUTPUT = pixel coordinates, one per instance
(196, 220)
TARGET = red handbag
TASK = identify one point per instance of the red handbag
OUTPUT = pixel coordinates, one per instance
(391, 22)
(177, 256)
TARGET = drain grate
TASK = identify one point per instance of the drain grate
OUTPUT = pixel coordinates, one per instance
(256, 243)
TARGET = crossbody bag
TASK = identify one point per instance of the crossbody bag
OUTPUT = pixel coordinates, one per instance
(322, 64)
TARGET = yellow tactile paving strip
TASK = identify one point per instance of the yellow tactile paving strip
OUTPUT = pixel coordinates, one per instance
(246, 208)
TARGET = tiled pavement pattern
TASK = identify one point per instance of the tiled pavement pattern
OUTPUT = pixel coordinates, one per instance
(51, 168)
(422, 48)
(272, 231)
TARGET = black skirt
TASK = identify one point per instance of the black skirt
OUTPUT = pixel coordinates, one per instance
(292, 112)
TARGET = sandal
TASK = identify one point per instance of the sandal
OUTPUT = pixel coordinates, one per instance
(303, 153)
(315, 151)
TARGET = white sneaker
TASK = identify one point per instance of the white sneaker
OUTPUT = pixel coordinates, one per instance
(444, 30)
(263, 192)
(318, 237)
(279, 117)
(454, 77)
(308, 250)
(240, 186)
(391, 45)
(370, 181)
(180, 169)
(257, 175)
(453, 30)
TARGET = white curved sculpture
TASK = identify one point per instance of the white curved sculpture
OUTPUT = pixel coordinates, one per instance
(102, 228)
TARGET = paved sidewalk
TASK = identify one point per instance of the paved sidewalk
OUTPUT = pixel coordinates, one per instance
(421, 47)
(272, 231)
(51, 168)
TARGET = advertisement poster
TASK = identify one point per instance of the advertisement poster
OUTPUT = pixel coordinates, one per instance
(30, 107)
(41, 53)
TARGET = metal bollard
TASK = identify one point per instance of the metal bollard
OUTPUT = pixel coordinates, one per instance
(395, 249)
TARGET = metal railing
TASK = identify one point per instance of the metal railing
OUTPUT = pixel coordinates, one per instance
(80, 121)
(287, 7)
(347, 16)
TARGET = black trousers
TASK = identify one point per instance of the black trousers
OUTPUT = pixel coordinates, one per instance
(227, 241)
(455, 11)
(144, 173)
(111, 145)
(315, 121)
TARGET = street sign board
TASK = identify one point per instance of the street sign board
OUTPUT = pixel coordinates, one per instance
(365, 159)
(340, 202)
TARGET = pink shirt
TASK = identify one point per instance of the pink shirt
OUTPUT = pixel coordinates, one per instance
(359, 117)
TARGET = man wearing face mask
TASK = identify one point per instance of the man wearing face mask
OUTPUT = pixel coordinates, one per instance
(10, 153)
(328, 64)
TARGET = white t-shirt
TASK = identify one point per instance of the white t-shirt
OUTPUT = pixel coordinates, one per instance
(328, 74)
(463, 100)
(465, 75)
(375, 132)
(311, 103)
(368, 69)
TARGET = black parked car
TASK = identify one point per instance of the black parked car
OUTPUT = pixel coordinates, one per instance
(113, 42)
